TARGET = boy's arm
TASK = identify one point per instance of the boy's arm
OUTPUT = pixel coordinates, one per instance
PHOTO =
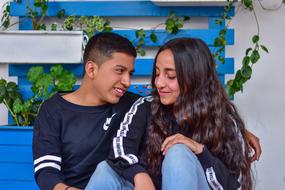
(46, 150)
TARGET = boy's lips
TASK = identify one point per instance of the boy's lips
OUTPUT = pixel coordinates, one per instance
(119, 91)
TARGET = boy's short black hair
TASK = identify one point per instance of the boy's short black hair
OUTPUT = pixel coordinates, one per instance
(102, 45)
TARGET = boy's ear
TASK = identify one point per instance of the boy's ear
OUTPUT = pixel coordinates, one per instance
(91, 69)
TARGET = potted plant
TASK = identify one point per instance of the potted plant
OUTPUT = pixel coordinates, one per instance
(24, 107)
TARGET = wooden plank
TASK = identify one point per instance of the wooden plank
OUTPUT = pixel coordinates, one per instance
(16, 154)
(16, 171)
(119, 8)
(18, 185)
(16, 135)
(143, 67)
(207, 35)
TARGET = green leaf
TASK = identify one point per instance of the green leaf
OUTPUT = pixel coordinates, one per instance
(3, 82)
(140, 33)
(11, 87)
(246, 72)
(2, 93)
(254, 56)
(61, 13)
(53, 27)
(223, 32)
(35, 73)
(221, 59)
(17, 106)
(246, 61)
(153, 37)
(186, 18)
(248, 50)
(248, 3)
(141, 52)
(265, 48)
(56, 70)
(255, 38)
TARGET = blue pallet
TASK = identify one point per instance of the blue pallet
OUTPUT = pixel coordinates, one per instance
(119, 8)
(143, 67)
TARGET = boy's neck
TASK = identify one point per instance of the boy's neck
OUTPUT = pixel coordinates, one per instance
(84, 96)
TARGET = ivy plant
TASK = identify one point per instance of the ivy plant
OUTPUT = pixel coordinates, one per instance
(252, 54)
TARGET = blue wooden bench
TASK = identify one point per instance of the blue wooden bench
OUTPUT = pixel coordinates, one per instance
(16, 162)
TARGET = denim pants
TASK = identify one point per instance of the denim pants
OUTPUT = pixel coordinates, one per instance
(181, 170)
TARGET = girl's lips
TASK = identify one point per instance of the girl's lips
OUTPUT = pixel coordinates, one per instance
(162, 93)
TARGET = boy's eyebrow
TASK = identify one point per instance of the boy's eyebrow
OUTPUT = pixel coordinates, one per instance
(125, 68)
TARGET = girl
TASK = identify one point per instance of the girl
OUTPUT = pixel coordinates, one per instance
(188, 135)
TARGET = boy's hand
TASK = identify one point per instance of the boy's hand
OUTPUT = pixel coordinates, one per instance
(143, 182)
(62, 186)
(254, 143)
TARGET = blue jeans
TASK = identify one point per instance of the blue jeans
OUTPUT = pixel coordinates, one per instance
(180, 170)
(105, 178)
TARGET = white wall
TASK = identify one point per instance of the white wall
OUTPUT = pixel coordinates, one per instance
(261, 104)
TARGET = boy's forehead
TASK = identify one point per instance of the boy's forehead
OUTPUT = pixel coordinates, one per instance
(122, 60)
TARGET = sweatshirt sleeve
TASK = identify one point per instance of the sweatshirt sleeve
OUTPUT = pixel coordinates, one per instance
(46, 150)
(217, 174)
(124, 154)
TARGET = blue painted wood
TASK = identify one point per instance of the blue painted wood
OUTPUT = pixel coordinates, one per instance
(213, 25)
(21, 70)
(16, 171)
(207, 35)
(16, 163)
(143, 67)
(118, 8)
(25, 24)
(16, 135)
(18, 185)
(16, 154)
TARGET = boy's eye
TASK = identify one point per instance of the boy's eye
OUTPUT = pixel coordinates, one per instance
(119, 71)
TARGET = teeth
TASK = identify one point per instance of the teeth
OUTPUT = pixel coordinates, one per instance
(119, 90)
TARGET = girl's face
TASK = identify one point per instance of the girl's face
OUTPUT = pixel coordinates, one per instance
(165, 78)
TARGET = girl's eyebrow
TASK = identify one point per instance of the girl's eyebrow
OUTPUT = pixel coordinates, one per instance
(167, 69)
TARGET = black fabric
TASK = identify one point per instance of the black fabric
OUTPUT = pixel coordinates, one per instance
(76, 135)
(134, 144)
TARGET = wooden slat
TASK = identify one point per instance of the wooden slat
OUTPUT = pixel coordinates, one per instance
(18, 185)
(207, 35)
(16, 171)
(119, 8)
(16, 154)
(143, 67)
(16, 135)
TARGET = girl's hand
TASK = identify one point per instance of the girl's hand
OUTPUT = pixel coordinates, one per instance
(178, 138)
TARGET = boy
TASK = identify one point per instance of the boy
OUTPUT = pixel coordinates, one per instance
(73, 132)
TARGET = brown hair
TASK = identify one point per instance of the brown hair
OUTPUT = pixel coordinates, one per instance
(202, 111)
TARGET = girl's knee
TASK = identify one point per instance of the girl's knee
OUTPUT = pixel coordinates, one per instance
(179, 154)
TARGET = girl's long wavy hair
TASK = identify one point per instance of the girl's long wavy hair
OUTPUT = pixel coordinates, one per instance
(202, 111)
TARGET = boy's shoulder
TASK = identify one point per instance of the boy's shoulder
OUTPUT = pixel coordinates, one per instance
(127, 100)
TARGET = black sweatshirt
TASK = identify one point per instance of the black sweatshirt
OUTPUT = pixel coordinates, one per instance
(129, 143)
(70, 140)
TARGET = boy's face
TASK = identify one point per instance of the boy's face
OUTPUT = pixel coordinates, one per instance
(113, 78)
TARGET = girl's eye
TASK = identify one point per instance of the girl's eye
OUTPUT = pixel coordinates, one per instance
(171, 77)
